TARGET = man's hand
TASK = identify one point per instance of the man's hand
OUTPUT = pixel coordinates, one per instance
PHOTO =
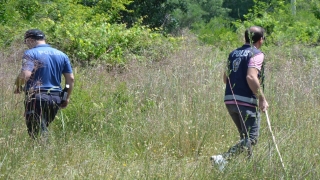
(65, 104)
(21, 79)
(263, 104)
(17, 90)
(69, 80)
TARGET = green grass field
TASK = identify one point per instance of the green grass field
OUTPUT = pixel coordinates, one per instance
(163, 120)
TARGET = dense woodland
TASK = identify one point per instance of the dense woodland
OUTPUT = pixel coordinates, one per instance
(106, 31)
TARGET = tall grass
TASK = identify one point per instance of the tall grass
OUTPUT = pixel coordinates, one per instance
(163, 120)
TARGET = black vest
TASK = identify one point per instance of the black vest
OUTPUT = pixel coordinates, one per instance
(237, 72)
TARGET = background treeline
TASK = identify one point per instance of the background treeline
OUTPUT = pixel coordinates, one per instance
(106, 31)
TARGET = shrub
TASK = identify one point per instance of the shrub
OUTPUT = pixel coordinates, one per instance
(282, 26)
(85, 33)
(218, 32)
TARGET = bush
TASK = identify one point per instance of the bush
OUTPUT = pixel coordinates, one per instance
(85, 33)
(282, 26)
(218, 32)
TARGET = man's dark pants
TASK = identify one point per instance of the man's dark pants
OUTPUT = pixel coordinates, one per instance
(247, 120)
(40, 111)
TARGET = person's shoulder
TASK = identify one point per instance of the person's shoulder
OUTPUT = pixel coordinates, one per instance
(30, 52)
(236, 49)
(58, 51)
(257, 59)
(258, 54)
(64, 54)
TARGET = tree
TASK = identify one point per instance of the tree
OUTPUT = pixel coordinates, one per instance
(238, 8)
(200, 11)
(154, 13)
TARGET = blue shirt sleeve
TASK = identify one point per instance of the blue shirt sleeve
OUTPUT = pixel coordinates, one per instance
(67, 66)
(27, 63)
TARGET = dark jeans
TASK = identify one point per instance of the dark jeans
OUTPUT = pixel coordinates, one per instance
(40, 111)
(248, 127)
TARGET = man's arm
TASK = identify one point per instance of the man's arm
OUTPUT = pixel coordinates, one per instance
(69, 79)
(22, 78)
(254, 84)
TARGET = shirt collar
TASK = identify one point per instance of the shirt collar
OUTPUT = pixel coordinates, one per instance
(42, 45)
(249, 45)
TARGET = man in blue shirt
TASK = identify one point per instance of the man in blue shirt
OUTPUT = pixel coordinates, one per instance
(42, 68)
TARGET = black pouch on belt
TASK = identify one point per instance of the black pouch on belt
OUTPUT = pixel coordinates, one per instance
(64, 94)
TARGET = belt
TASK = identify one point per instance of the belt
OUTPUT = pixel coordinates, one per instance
(54, 93)
(48, 92)
(241, 98)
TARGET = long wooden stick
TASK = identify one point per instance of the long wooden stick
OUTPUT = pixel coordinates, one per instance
(274, 140)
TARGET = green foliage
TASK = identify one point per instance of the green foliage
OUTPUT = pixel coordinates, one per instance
(238, 8)
(213, 9)
(95, 111)
(110, 7)
(193, 14)
(209, 20)
(93, 43)
(199, 11)
(12, 10)
(155, 13)
(301, 31)
(218, 32)
(154, 46)
(277, 17)
(106, 112)
(9, 15)
(282, 26)
(108, 31)
(309, 5)
(27, 9)
(315, 6)
(84, 31)
(5, 40)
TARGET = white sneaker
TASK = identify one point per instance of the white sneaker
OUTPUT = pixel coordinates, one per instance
(219, 160)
